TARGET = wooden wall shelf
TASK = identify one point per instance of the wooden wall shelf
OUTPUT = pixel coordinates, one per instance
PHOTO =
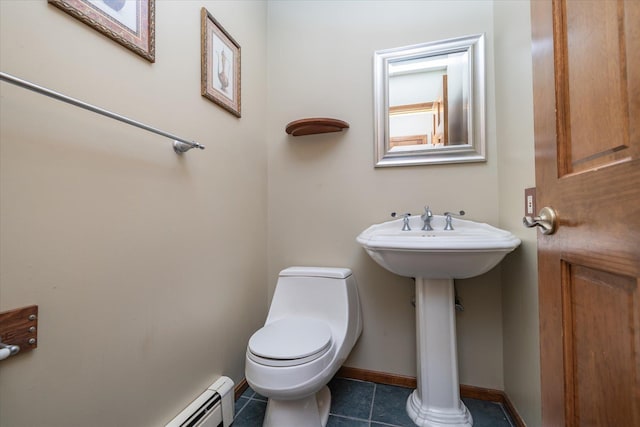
(314, 126)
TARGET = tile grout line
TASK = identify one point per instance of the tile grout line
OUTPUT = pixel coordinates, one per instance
(241, 409)
(373, 399)
(347, 417)
(249, 400)
(382, 423)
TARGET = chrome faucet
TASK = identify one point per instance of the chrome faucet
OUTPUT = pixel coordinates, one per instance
(405, 222)
(426, 217)
(448, 225)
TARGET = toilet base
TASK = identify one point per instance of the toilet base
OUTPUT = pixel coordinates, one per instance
(312, 411)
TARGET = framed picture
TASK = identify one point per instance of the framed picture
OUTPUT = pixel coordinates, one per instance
(220, 77)
(128, 22)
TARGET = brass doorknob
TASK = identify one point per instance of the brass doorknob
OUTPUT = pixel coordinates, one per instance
(547, 220)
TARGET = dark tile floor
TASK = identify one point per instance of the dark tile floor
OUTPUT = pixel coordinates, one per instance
(365, 404)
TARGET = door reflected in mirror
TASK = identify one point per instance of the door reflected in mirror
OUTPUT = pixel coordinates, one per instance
(429, 103)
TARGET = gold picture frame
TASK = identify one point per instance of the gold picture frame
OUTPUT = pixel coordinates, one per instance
(130, 23)
(220, 63)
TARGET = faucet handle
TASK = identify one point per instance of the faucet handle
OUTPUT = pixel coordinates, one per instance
(448, 225)
(405, 223)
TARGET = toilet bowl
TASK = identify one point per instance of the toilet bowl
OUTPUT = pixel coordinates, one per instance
(313, 323)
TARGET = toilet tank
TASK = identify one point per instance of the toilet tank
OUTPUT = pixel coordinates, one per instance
(326, 293)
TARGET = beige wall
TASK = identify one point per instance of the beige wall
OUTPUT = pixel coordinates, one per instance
(324, 190)
(514, 115)
(151, 270)
(148, 268)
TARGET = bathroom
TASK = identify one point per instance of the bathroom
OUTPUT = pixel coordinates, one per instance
(152, 270)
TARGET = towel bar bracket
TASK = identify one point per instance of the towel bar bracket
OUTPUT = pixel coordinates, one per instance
(181, 147)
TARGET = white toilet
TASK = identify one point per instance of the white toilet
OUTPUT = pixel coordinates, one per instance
(313, 323)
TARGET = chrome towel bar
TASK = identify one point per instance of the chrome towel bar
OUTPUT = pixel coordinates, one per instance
(180, 145)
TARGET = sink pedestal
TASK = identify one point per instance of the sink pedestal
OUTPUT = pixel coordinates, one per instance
(436, 402)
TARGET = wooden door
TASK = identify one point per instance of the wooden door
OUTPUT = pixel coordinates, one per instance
(586, 73)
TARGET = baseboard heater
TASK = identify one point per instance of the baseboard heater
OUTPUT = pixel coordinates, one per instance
(213, 408)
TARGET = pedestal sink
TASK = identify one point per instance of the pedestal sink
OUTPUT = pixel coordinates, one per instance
(434, 259)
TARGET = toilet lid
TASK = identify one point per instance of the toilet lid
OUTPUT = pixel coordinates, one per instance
(290, 341)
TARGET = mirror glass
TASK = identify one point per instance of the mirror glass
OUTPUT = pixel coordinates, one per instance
(429, 103)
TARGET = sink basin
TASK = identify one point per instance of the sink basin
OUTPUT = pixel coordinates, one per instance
(434, 259)
(469, 250)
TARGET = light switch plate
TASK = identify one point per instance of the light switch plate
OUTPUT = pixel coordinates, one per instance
(530, 201)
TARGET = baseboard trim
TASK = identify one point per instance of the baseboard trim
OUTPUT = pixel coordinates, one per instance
(469, 391)
(515, 416)
(240, 388)
(376, 377)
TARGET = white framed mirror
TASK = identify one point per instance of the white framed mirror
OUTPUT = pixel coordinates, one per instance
(429, 103)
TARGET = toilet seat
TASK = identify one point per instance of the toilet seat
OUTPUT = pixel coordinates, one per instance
(290, 342)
